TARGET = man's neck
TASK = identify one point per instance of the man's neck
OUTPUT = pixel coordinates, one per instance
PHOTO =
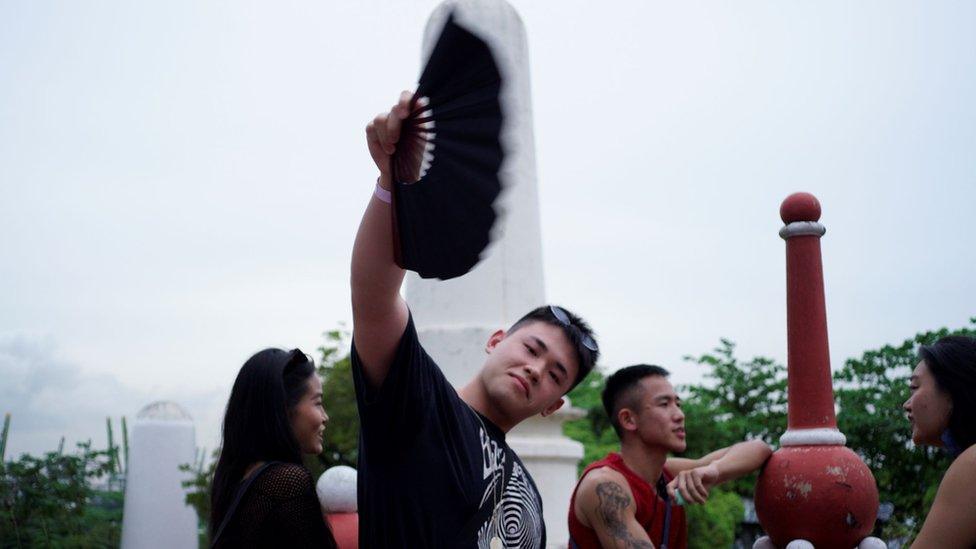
(646, 461)
(476, 397)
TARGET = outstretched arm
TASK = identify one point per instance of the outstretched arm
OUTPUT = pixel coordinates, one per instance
(952, 520)
(695, 477)
(605, 504)
(379, 313)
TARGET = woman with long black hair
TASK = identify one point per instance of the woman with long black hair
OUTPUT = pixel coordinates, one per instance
(942, 412)
(262, 494)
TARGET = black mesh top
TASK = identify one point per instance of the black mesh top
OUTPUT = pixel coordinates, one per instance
(280, 509)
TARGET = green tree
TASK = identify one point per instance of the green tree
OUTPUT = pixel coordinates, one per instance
(593, 430)
(870, 391)
(341, 443)
(714, 524)
(738, 401)
(198, 491)
(49, 501)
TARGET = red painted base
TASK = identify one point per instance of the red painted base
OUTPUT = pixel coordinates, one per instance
(823, 494)
(345, 529)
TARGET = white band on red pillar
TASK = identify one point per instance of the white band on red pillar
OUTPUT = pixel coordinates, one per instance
(802, 228)
(809, 437)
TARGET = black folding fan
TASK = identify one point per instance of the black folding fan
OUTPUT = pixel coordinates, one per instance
(445, 169)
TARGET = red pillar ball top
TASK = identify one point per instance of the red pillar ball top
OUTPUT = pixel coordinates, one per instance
(800, 207)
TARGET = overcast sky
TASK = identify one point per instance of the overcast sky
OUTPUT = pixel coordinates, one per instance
(180, 182)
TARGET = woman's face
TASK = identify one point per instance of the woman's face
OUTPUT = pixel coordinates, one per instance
(308, 417)
(928, 407)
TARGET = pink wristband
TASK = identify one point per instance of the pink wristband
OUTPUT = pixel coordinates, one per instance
(383, 194)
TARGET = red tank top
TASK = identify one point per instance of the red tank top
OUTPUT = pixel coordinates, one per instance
(650, 510)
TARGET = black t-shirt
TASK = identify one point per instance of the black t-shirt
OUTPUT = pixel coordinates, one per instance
(431, 470)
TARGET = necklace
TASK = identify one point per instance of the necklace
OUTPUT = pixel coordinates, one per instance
(496, 541)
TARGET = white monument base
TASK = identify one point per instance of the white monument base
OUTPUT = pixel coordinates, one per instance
(551, 459)
(155, 513)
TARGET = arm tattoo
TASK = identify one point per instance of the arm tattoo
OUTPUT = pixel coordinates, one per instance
(613, 500)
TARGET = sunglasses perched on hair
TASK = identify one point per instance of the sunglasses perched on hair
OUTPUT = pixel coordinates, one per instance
(295, 357)
(563, 317)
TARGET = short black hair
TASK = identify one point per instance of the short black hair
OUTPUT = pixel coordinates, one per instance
(585, 357)
(618, 392)
(952, 361)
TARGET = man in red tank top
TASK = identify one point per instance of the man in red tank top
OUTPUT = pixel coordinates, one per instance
(629, 499)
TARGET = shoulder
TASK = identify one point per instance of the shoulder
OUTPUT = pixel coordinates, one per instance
(285, 481)
(970, 456)
(951, 522)
(603, 482)
(961, 474)
(602, 493)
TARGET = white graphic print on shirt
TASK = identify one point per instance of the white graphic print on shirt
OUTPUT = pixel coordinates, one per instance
(519, 520)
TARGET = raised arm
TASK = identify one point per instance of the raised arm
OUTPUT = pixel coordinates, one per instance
(605, 504)
(379, 314)
(695, 477)
(952, 520)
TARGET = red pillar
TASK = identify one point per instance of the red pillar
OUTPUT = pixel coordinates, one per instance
(813, 488)
(811, 398)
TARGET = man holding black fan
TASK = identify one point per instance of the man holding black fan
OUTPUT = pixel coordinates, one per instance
(434, 467)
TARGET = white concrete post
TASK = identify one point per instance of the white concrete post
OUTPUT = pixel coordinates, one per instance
(455, 318)
(155, 512)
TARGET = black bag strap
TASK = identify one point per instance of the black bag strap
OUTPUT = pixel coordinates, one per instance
(663, 492)
(241, 490)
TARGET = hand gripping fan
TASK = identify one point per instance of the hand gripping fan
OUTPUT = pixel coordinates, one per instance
(445, 168)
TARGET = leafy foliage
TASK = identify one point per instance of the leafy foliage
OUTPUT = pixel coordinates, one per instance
(738, 401)
(197, 488)
(341, 444)
(594, 430)
(714, 523)
(49, 501)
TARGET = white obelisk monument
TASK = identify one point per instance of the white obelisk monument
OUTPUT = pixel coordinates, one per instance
(455, 318)
(155, 513)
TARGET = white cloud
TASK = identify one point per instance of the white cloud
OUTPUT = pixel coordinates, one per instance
(49, 396)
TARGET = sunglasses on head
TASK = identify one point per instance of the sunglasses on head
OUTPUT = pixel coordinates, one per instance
(563, 317)
(296, 357)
